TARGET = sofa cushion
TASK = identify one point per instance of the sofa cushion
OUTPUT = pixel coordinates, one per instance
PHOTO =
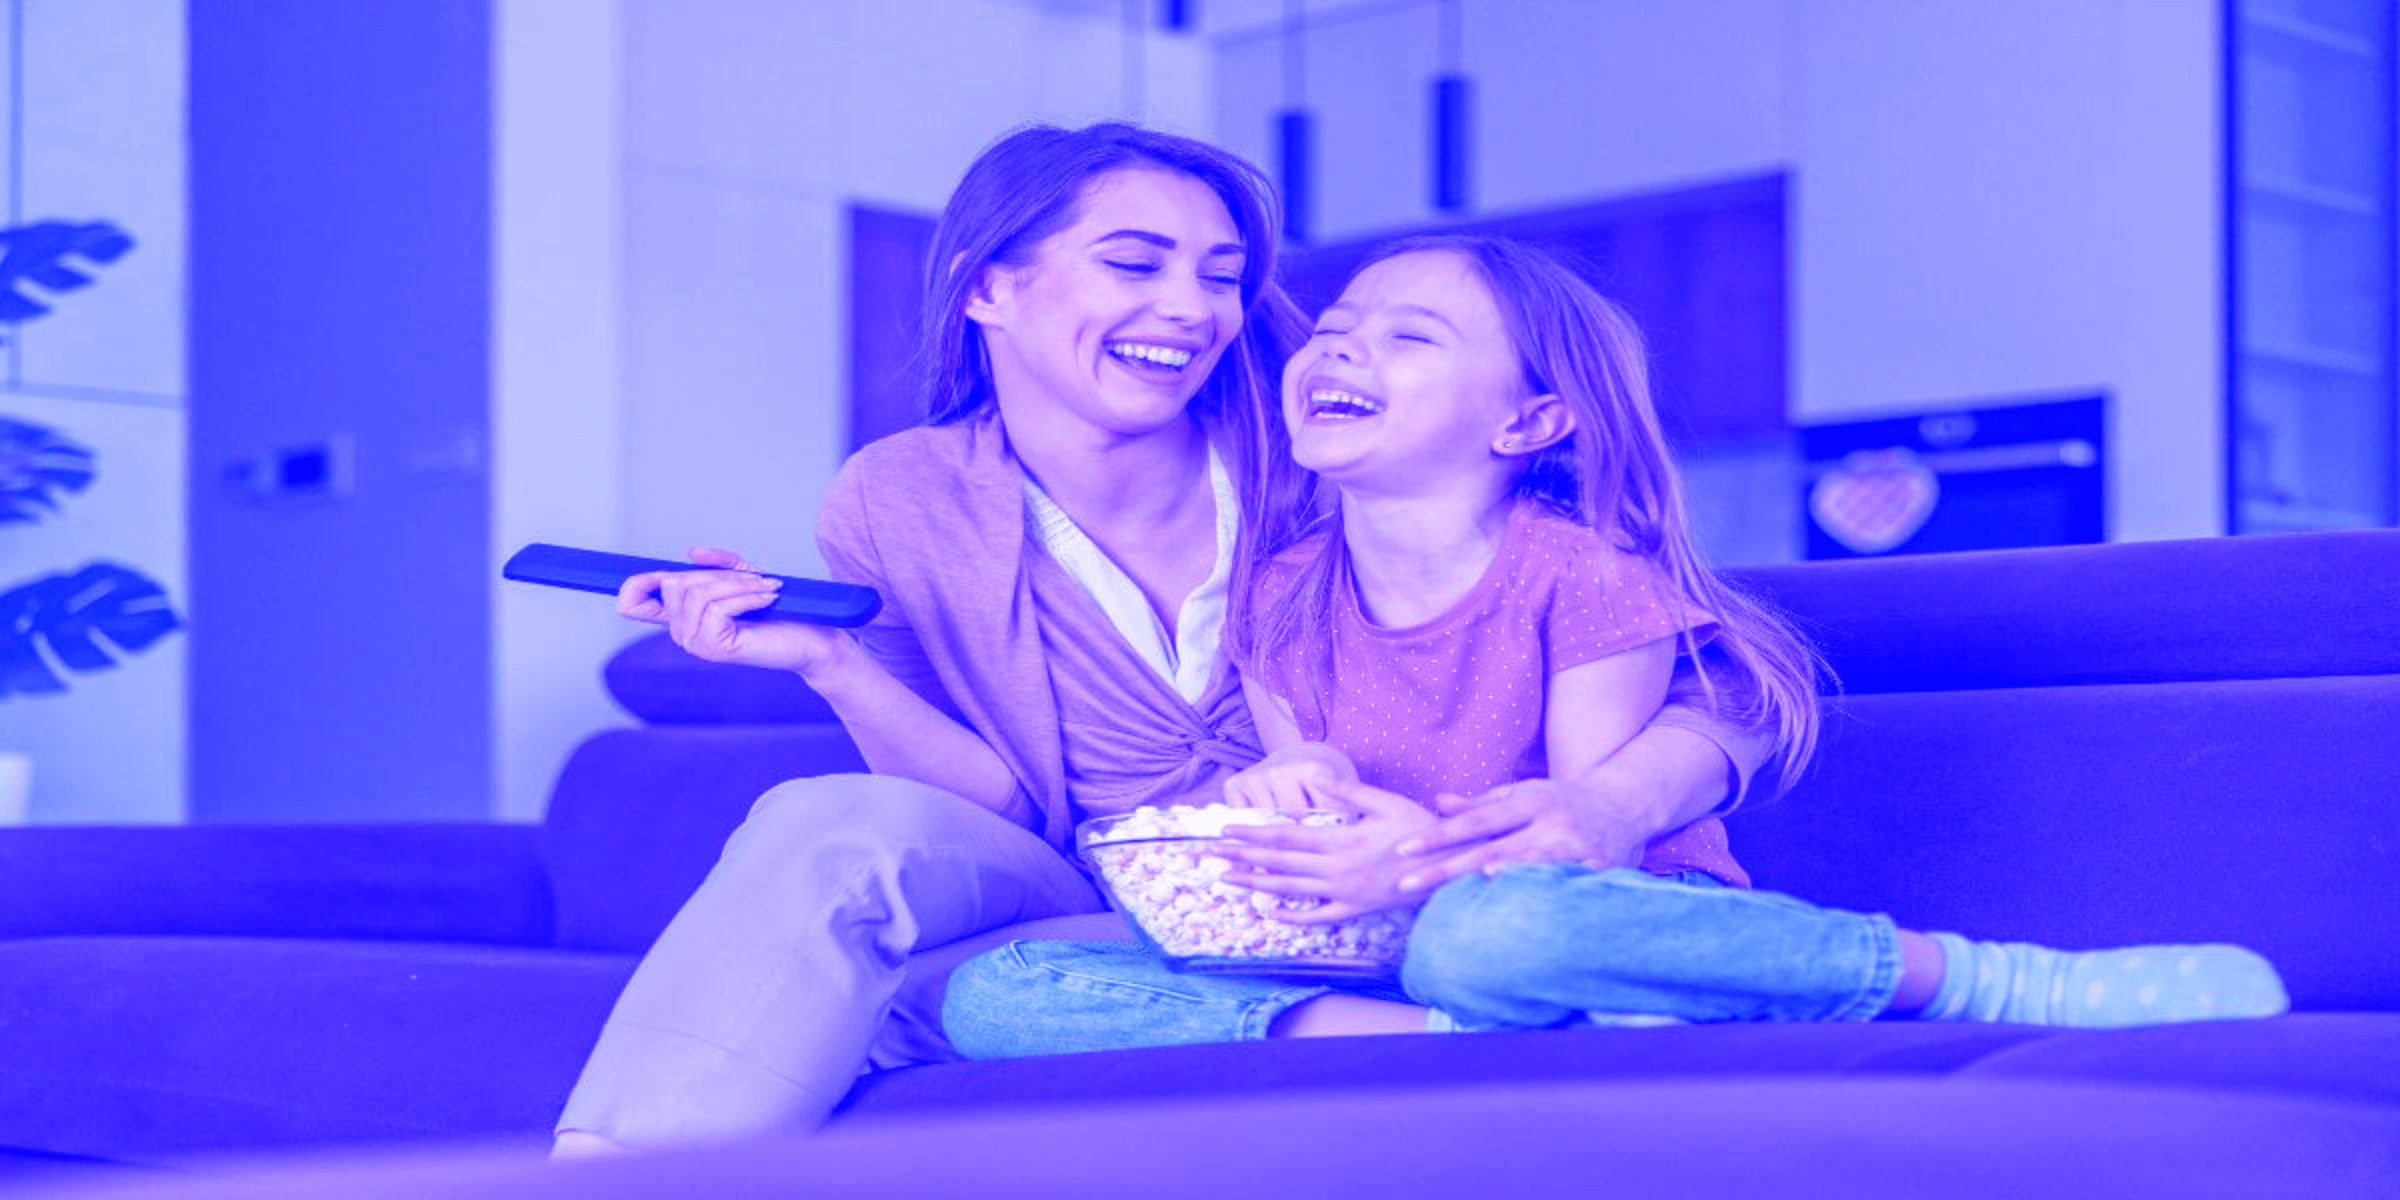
(1789, 1138)
(2328, 1056)
(639, 816)
(2209, 608)
(1792, 1139)
(21, 1169)
(2251, 811)
(655, 680)
(149, 1049)
(480, 882)
(2349, 1057)
(1232, 1070)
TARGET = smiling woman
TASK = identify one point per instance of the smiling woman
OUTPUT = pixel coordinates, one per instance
(1103, 340)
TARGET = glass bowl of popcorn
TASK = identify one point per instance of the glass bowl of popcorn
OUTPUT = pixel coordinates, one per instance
(1158, 869)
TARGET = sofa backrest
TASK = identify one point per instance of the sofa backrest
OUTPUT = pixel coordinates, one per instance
(2085, 746)
(2276, 607)
(639, 815)
(2175, 741)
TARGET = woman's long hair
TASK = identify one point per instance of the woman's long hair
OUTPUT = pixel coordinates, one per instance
(1027, 186)
(1613, 473)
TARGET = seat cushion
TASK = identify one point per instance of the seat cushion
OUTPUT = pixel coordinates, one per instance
(2335, 1057)
(2332, 1056)
(1790, 1139)
(1213, 1072)
(148, 1049)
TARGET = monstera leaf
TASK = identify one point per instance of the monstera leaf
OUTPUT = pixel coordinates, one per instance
(71, 614)
(39, 253)
(35, 463)
(82, 620)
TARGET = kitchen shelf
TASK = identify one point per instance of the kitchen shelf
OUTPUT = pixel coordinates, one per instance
(2314, 196)
(2313, 313)
(2310, 33)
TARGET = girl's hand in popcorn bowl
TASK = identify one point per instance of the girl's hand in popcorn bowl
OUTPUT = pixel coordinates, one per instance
(1351, 869)
(1281, 780)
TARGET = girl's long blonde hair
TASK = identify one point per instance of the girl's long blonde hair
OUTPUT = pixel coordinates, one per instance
(1614, 473)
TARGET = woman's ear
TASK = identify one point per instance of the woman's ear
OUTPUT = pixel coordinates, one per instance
(992, 296)
(1540, 423)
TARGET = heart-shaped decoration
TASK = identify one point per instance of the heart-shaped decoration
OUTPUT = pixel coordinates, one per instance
(1874, 500)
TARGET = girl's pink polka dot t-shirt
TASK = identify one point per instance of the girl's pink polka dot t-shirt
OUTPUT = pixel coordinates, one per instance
(1456, 704)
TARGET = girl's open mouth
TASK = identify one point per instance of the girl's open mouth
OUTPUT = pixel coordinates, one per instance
(1338, 404)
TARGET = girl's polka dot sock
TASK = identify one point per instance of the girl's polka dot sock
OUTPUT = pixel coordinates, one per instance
(2018, 983)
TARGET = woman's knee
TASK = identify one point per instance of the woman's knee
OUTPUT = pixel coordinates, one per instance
(856, 801)
(847, 816)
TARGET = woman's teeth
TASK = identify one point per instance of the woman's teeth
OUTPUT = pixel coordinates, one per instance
(1333, 402)
(1164, 356)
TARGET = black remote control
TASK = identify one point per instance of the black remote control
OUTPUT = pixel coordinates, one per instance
(816, 601)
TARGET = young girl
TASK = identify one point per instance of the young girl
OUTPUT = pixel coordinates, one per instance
(1491, 613)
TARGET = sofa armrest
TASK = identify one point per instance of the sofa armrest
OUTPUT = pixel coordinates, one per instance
(437, 882)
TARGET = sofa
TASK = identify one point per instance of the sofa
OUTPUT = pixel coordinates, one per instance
(2084, 746)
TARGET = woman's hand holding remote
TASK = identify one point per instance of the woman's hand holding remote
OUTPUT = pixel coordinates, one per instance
(698, 608)
(898, 732)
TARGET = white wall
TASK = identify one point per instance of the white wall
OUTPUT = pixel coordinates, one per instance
(750, 125)
(557, 408)
(674, 176)
(1572, 101)
(2019, 199)
(1989, 200)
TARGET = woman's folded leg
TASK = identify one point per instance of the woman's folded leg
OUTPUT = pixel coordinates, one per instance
(764, 998)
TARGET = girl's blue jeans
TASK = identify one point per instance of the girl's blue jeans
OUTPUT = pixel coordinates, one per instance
(1530, 948)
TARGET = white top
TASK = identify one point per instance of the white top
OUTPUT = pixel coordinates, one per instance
(1187, 659)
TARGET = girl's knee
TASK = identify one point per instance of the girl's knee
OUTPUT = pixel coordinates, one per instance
(1035, 996)
(1477, 938)
(1441, 956)
(983, 1002)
